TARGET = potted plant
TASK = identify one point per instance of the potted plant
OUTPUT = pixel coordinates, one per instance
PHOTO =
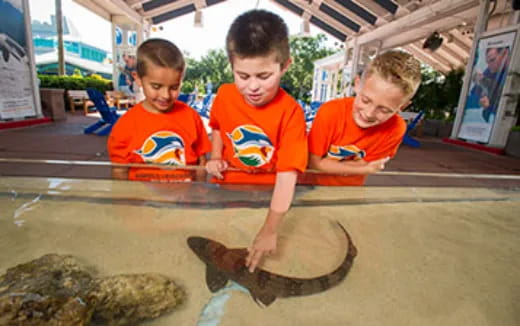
(513, 142)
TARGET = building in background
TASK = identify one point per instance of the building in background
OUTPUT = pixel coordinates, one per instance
(86, 58)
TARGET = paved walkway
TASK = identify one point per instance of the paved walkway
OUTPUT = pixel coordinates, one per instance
(66, 141)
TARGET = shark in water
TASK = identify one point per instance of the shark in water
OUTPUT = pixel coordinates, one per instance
(223, 264)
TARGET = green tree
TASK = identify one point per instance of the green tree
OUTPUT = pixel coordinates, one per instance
(438, 94)
(214, 67)
(304, 51)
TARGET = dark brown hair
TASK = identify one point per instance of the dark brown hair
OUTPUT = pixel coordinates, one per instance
(258, 33)
(159, 52)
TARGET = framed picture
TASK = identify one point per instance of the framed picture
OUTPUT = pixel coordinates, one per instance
(488, 75)
(16, 90)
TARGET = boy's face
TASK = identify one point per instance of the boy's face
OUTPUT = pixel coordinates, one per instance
(377, 100)
(161, 87)
(258, 78)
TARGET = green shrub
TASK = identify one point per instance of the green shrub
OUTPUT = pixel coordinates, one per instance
(75, 82)
(515, 128)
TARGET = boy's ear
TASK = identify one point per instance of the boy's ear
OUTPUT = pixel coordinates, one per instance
(405, 105)
(286, 65)
(137, 79)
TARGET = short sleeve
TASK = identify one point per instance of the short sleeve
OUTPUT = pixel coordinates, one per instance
(320, 136)
(292, 151)
(215, 111)
(119, 141)
(202, 145)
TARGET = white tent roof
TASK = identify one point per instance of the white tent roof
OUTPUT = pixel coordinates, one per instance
(384, 23)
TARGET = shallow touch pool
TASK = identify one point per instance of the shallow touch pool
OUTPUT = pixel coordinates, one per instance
(426, 256)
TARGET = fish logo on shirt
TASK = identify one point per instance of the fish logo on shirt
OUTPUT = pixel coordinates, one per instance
(251, 145)
(348, 152)
(163, 147)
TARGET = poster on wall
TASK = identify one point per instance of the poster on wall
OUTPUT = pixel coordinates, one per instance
(125, 60)
(16, 88)
(492, 58)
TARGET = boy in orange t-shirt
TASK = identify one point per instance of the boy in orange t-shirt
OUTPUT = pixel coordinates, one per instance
(160, 129)
(258, 132)
(355, 137)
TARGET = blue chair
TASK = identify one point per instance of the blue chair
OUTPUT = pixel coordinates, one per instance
(109, 115)
(206, 105)
(407, 139)
(303, 105)
(188, 98)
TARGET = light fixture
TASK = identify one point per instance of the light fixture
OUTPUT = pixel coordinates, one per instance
(433, 42)
(198, 19)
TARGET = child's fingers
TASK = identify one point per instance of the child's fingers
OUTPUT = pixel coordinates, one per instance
(218, 175)
(224, 165)
(254, 258)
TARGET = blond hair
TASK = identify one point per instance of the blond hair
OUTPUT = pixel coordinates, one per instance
(399, 68)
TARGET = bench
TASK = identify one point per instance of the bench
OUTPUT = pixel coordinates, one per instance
(119, 99)
(79, 98)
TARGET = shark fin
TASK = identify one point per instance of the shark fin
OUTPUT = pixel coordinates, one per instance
(214, 279)
(263, 299)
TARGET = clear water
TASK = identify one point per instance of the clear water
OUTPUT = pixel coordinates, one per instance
(426, 256)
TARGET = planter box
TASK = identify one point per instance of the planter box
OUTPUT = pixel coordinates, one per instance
(513, 144)
(445, 128)
(431, 127)
(53, 105)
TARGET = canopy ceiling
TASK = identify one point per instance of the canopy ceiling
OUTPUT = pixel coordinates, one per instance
(373, 23)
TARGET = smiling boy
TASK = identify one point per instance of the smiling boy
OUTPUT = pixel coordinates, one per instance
(354, 137)
(258, 129)
(160, 129)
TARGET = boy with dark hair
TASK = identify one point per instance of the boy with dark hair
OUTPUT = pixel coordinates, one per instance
(258, 129)
(160, 129)
(356, 136)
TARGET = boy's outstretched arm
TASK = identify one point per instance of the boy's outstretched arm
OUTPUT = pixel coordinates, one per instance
(216, 165)
(265, 241)
(346, 167)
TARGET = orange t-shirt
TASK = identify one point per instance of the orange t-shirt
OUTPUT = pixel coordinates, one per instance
(177, 138)
(262, 140)
(336, 135)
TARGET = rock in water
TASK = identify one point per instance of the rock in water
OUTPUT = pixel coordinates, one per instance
(126, 299)
(51, 290)
(56, 290)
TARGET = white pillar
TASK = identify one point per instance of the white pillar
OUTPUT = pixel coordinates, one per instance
(115, 71)
(354, 70)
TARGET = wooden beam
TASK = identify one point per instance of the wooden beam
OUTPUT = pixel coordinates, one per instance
(95, 8)
(426, 59)
(127, 10)
(411, 28)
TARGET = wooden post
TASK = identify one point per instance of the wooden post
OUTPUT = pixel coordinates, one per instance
(59, 30)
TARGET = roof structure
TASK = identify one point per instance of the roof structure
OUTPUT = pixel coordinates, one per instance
(377, 24)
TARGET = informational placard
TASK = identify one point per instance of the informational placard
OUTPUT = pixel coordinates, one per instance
(488, 74)
(16, 87)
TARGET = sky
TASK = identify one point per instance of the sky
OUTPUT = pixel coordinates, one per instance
(196, 41)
